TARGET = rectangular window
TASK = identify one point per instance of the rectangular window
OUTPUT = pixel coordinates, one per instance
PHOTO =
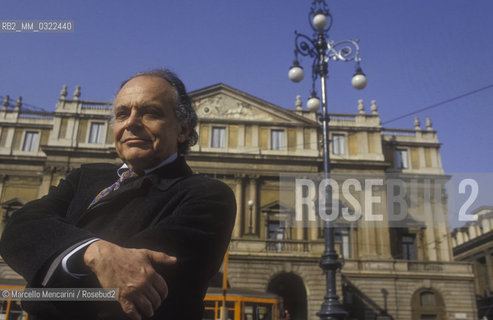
(276, 231)
(96, 133)
(401, 159)
(218, 137)
(341, 236)
(408, 247)
(30, 141)
(277, 140)
(338, 144)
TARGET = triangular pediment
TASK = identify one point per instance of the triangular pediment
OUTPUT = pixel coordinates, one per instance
(12, 203)
(223, 103)
(277, 207)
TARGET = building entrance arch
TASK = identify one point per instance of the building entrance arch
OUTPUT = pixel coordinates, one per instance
(291, 288)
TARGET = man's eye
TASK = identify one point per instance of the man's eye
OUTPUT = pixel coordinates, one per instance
(121, 115)
(152, 115)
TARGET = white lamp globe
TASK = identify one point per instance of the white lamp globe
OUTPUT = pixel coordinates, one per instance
(296, 73)
(313, 104)
(320, 21)
(359, 81)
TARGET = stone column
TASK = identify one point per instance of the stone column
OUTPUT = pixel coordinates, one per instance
(3, 177)
(428, 207)
(241, 137)
(371, 241)
(382, 227)
(298, 226)
(489, 268)
(367, 245)
(240, 209)
(313, 230)
(300, 143)
(354, 238)
(487, 224)
(46, 181)
(443, 232)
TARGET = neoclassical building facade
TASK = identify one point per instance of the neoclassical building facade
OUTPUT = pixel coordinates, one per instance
(473, 242)
(396, 247)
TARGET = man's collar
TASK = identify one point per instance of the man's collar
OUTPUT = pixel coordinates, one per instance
(170, 159)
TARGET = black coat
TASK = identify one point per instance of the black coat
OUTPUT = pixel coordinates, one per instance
(170, 210)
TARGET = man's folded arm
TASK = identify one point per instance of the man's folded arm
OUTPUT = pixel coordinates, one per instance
(42, 222)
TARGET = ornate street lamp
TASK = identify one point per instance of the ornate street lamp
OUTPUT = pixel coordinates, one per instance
(322, 51)
(250, 226)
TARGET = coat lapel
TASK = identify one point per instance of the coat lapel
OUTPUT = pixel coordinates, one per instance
(162, 179)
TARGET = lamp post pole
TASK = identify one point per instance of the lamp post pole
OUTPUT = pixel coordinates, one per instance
(322, 51)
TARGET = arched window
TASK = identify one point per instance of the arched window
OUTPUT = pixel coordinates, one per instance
(427, 304)
(427, 299)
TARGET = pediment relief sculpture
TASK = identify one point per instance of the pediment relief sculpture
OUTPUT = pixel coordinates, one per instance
(223, 107)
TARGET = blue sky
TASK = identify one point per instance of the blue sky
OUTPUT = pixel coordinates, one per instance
(415, 54)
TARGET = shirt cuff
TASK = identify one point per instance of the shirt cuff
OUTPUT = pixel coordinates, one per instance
(73, 255)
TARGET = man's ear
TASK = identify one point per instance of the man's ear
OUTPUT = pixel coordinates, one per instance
(184, 132)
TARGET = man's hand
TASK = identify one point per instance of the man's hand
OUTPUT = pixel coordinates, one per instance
(141, 290)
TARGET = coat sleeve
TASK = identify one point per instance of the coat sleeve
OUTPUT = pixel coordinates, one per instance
(37, 233)
(197, 233)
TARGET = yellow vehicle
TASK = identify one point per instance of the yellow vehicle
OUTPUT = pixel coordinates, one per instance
(242, 304)
(11, 309)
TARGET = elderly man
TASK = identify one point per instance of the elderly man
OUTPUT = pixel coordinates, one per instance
(149, 228)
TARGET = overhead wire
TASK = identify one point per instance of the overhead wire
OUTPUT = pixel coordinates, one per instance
(435, 105)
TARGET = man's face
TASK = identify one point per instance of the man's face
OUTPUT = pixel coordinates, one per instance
(146, 129)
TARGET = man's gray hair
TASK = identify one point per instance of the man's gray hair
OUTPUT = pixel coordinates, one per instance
(183, 108)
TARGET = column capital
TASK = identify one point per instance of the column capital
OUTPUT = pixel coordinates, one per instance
(254, 176)
(239, 176)
(55, 168)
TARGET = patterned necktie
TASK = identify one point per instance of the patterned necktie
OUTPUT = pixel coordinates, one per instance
(106, 191)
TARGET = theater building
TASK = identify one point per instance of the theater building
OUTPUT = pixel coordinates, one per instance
(393, 268)
(473, 242)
